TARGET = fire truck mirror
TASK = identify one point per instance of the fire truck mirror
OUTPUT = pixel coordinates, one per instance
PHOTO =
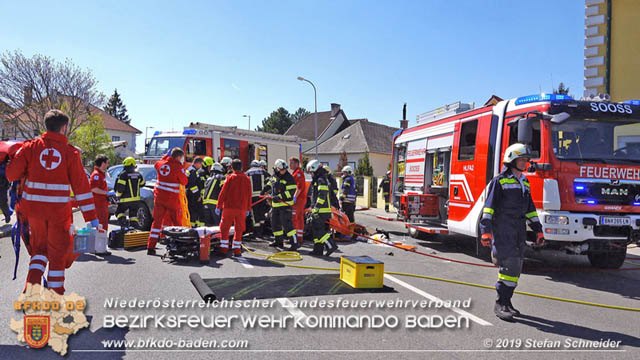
(525, 129)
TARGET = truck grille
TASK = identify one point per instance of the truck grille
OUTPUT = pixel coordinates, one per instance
(607, 192)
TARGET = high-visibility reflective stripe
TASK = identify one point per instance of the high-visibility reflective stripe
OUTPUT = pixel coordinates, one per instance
(120, 181)
(508, 181)
(88, 207)
(256, 193)
(487, 216)
(210, 201)
(133, 219)
(224, 241)
(292, 232)
(291, 187)
(194, 188)
(36, 267)
(167, 189)
(55, 284)
(324, 238)
(534, 219)
(320, 201)
(40, 258)
(155, 230)
(46, 199)
(508, 278)
(153, 236)
(531, 214)
(236, 245)
(43, 186)
(526, 183)
(323, 187)
(168, 184)
(124, 200)
(488, 210)
(121, 215)
(84, 196)
(511, 186)
(118, 194)
(325, 210)
(281, 204)
(56, 273)
(278, 233)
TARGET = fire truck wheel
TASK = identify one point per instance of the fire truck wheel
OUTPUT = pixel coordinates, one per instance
(420, 235)
(610, 258)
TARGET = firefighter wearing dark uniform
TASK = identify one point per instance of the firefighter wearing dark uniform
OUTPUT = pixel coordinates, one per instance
(127, 189)
(282, 190)
(259, 178)
(385, 186)
(211, 193)
(205, 172)
(194, 191)
(348, 195)
(321, 209)
(226, 164)
(504, 225)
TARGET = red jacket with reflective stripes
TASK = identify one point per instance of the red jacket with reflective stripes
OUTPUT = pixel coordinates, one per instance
(301, 185)
(171, 175)
(51, 167)
(97, 180)
(236, 192)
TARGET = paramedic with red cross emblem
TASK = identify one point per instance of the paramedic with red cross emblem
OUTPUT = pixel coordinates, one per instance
(504, 225)
(166, 196)
(51, 167)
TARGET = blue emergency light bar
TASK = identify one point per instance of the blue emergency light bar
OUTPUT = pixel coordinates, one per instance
(542, 97)
(632, 102)
(591, 202)
(157, 132)
(189, 132)
(579, 188)
(636, 203)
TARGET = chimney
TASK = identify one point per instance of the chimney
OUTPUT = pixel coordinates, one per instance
(404, 123)
(28, 95)
(335, 109)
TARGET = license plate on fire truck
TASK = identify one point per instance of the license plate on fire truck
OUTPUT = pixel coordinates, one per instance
(615, 221)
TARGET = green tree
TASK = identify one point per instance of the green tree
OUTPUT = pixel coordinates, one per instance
(116, 108)
(561, 89)
(276, 123)
(364, 166)
(92, 139)
(299, 114)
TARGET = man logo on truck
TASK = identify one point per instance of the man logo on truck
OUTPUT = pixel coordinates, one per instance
(619, 192)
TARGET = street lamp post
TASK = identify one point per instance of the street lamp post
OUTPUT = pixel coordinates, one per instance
(248, 116)
(315, 114)
(145, 133)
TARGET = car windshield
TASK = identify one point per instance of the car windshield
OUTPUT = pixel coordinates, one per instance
(589, 139)
(160, 145)
(114, 172)
(149, 173)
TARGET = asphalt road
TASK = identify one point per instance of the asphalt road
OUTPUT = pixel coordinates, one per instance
(128, 275)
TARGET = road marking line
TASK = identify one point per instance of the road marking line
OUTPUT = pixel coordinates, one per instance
(244, 263)
(287, 304)
(434, 298)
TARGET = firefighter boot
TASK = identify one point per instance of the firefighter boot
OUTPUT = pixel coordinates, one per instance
(331, 246)
(512, 310)
(294, 244)
(277, 242)
(500, 308)
(317, 249)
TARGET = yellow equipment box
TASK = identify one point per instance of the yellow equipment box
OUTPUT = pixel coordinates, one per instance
(136, 239)
(361, 272)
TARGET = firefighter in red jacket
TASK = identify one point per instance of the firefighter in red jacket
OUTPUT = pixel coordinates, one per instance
(235, 204)
(51, 167)
(299, 198)
(166, 204)
(100, 194)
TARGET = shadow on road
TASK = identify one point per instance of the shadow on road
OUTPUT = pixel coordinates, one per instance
(111, 259)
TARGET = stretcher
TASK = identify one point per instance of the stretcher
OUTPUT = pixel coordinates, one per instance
(187, 243)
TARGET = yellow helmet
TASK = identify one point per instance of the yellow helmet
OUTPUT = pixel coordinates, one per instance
(208, 161)
(129, 161)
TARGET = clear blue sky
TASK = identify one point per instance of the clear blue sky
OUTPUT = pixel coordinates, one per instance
(213, 61)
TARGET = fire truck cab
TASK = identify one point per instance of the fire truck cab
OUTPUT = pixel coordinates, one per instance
(584, 174)
(201, 139)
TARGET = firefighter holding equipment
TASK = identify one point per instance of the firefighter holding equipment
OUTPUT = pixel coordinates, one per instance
(385, 186)
(321, 209)
(101, 195)
(348, 195)
(504, 225)
(195, 186)
(212, 189)
(299, 198)
(235, 204)
(283, 187)
(127, 189)
(51, 167)
(258, 177)
(166, 204)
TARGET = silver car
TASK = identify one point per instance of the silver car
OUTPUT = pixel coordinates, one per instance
(146, 194)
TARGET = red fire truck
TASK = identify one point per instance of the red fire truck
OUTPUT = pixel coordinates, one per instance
(199, 139)
(585, 173)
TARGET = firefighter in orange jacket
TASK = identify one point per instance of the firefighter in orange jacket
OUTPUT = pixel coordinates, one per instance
(166, 204)
(235, 204)
(299, 198)
(51, 167)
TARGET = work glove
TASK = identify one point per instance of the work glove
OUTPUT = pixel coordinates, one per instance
(94, 223)
(540, 239)
(217, 211)
(485, 240)
(315, 212)
(111, 193)
(294, 199)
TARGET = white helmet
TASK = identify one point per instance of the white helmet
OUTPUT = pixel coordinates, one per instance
(347, 170)
(313, 166)
(255, 163)
(516, 151)
(280, 165)
(226, 161)
(217, 167)
(263, 163)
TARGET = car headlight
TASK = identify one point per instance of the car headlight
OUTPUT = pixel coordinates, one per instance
(557, 220)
